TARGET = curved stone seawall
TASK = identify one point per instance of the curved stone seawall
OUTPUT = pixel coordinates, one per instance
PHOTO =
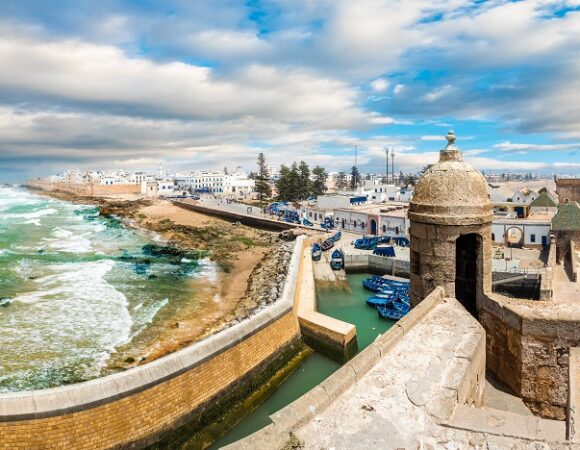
(135, 408)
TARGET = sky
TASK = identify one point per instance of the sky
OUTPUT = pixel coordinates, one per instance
(199, 84)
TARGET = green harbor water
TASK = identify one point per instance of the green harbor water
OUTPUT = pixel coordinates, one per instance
(338, 303)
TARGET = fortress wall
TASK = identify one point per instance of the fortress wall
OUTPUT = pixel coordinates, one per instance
(568, 189)
(378, 264)
(140, 406)
(528, 348)
(86, 189)
(547, 280)
(252, 221)
(327, 335)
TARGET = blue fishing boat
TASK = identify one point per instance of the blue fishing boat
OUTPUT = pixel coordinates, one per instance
(316, 252)
(384, 251)
(337, 260)
(376, 301)
(337, 236)
(395, 311)
(307, 223)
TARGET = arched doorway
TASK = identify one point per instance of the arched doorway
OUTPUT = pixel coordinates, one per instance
(467, 249)
(514, 237)
(373, 226)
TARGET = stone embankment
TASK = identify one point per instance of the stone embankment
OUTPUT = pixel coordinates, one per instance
(266, 281)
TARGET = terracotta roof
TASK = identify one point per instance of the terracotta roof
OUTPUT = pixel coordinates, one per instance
(544, 201)
(567, 218)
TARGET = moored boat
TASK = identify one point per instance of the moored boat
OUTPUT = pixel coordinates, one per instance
(336, 237)
(327, 245)
(316, 252)
(337, 260)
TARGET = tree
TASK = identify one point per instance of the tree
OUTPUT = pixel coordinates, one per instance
(319, 183)
(262, 180)
(341, 183)
(304, 183)
(354, 182)
(288, 183)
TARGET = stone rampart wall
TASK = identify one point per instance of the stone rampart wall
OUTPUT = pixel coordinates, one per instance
(379, 264)
(527, 348)
(142, 405)
(86, 189)
(252, 221)
(568, 189)
(546, 282)
(327, 335)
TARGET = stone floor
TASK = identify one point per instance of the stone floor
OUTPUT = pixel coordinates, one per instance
(564, 289)
(389, 407)
(497, 395)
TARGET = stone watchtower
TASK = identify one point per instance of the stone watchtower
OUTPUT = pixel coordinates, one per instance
(451, 219)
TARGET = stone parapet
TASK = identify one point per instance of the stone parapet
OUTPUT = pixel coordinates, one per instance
(547, 279)
(331, 337)
(245, 219)
(140, 406)
(527, 348)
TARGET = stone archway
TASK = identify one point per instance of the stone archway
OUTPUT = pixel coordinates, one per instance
(467, 251)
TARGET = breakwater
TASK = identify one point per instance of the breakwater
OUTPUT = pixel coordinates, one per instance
(143, 405)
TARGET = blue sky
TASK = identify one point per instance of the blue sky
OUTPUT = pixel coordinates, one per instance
(203, 84)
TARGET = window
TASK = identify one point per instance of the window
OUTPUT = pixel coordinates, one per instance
(384, 228)
(493, 237)
(533, 238)
(354, 223)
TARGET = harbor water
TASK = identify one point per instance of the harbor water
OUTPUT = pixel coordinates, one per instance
(77, 289)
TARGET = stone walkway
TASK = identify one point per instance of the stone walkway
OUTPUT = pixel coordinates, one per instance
(564, 289)
(402, 402)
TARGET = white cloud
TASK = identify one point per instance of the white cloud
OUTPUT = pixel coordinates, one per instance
(524, 148)
(380, 85)
(433, 137)
(398, 89)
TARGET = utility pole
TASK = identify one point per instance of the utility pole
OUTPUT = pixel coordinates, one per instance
(393, 165)
(387, 164)
(355, 163)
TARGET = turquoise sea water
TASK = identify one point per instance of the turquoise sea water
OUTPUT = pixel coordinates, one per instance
(74, 287)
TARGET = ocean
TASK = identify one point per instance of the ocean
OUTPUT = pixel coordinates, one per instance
(75, 287)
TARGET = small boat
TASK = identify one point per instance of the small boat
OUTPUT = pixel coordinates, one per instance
(377, 301)
(337, 260)
(307, 223)
(327, 245)
(384, 251)
(316, 252)
(395, 311)
(337, 236)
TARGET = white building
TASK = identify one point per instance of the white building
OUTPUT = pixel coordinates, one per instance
(521, 232)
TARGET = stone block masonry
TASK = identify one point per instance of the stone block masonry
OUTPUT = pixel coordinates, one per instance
(573, 422)
(138, 407)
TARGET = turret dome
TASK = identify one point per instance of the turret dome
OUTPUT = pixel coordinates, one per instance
(451, 192)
